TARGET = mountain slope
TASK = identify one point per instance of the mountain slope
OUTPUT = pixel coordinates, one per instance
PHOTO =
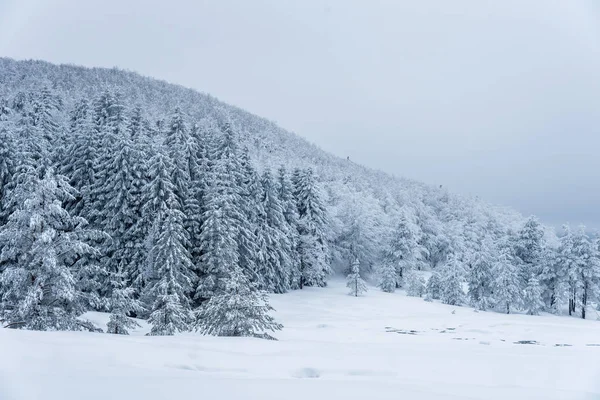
(354, 192)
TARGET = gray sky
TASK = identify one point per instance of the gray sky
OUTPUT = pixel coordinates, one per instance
(499, 99)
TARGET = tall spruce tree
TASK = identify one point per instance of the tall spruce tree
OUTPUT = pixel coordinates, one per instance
(171, 309)
(312, 222)
(37, 248)
(276, 248)
(285, 189)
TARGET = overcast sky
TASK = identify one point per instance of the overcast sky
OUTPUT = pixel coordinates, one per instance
(499, 99)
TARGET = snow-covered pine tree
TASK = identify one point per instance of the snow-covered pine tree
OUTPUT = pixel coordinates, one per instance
(552, 282)
(532, 297)
(78, 160)
(452, 276)
(122, 304)
(403, 250)
(108, 125)
(37, 246)
(559, 276)
(387, 276)
(8, 164)
(123, 210)
(171, 312)
(157, 195)
(358, 231)
(479, 276)
(529, 248)
(354, 282)
(251, 208)
(586, 268)
(433, 289)
(222, 220)
(312, 247)
(567, 268)
(290, 212)
(44, 109)
(239, 310)
(414, 283)
(506, 285)
(272, 233)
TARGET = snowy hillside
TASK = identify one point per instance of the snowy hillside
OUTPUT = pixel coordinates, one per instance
(354, 192)
(333, 346)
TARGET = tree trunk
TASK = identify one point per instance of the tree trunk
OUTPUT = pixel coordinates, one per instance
(583, 302)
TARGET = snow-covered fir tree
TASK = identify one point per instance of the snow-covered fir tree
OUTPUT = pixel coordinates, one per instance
(122, 304)
(451, 279)
(532, 297)
(403, 250)
(586, 269)
(171, 310)
(387, 277)
(39, 290)
(479, 276)
(506, 285)
(239, 310)
(285, 191)
(529, 248)
(312, 219)
(415, 283)
(354, 282)
(433, 289)
(276, 249)
(222, 220)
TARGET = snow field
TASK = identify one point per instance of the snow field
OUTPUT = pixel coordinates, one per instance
(333, 346)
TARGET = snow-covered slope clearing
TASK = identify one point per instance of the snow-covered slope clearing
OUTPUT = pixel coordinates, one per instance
(333, 346)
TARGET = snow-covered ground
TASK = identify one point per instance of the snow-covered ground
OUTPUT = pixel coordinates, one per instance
(333, 346)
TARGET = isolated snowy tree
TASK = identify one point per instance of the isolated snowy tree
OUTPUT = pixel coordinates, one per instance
(171, 310)
(414, 283)
(354, 282)
(532, 297)
(37, 245)
(239, 310)
(451, 277)
(506, 283)
(122, 304)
